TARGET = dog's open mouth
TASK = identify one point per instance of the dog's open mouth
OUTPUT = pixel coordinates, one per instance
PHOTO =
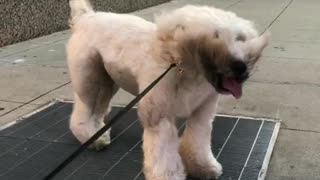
(230, 86)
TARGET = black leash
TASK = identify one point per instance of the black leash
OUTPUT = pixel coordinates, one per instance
(106, 127)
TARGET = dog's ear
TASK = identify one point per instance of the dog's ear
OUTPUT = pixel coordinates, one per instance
(255, 46)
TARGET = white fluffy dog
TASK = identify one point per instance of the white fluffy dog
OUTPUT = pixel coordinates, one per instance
(216, 51)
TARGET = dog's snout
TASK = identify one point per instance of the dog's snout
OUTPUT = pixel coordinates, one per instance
(238, 68)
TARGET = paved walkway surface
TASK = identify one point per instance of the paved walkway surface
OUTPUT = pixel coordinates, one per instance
(286, 85)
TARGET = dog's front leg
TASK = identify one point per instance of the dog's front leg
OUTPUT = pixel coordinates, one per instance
(161, 158)
(195, 147)
(160, 145)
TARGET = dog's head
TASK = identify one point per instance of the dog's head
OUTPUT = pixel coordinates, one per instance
(225, 53)
(227, 66)
(226, 61)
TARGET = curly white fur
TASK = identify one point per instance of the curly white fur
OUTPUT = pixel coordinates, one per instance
(107, 51)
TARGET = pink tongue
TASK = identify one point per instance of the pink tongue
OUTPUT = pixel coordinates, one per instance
(234, 87)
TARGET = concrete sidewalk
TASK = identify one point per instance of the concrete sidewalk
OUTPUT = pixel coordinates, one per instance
(285, 86)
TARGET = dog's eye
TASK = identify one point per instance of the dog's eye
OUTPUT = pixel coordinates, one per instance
(216, 34)
(241, 37)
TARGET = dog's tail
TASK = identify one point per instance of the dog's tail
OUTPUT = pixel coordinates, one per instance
(77, 9)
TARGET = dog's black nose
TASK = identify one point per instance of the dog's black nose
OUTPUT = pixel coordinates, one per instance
(238, 68)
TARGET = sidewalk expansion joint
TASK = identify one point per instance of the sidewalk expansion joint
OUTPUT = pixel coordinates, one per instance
(29, 102)
(283, 10)
(300, 130)
(286, 83)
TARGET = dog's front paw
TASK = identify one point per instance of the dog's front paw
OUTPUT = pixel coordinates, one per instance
(168, 175)
(170, 171)
(210, 169)
(102, 142)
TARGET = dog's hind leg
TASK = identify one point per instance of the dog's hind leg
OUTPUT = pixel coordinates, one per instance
(93, 89)
(195, 146)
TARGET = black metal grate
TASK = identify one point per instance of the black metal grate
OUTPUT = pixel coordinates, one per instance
(34, 146)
